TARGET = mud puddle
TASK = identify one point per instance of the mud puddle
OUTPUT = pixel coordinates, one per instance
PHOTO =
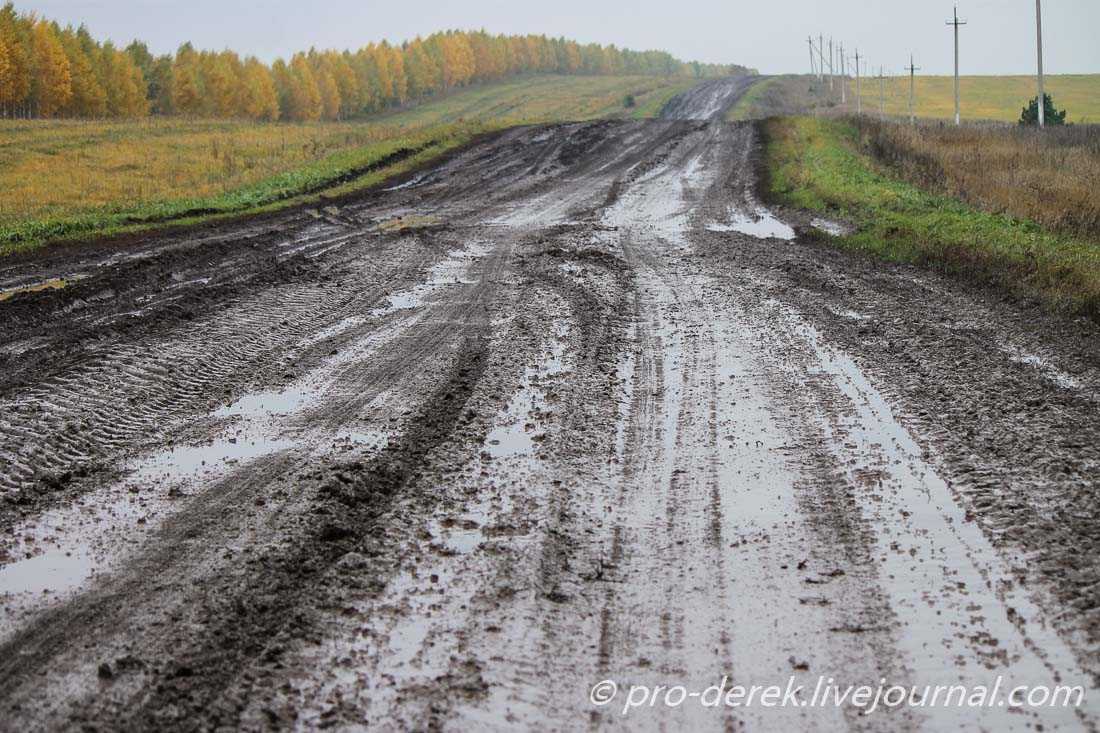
(656, 203)
(519, 430)
(448, 272)
(1041, 365)
(832, 228)
(758, 222)
(54, 283)
(411, 183)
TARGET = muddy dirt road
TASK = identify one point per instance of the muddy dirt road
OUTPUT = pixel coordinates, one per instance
(571, 406)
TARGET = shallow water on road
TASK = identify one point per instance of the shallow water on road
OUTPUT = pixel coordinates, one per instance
(759, 223)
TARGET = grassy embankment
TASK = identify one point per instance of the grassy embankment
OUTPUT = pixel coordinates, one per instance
(996, 98)
(71, 179)
(826, 166)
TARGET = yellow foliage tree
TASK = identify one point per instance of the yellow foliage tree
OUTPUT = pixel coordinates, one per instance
(330, 94)
(421, 70)
(398, 75)
(259, 99)
(346, 82)
(14, 35)
(220, 83)
(457, 67)
(305, 97)
(6, 72)
(126, 90)
(52, 83)
(186, 90)
(89, 98)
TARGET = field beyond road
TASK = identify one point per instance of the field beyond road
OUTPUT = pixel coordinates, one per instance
(996, 98)
(63, 179)
(999, 98)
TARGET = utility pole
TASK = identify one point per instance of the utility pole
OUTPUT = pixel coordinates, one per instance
(843, 79)
(832, 68)
(1039, 32)
(881, 94)
(859, 90)
(913, 69)
(813, 71)
(956, 22)
(821, 55)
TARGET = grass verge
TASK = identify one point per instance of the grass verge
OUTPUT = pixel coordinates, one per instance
(816, 164)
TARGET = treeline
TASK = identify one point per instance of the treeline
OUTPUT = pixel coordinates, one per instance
(50, 71)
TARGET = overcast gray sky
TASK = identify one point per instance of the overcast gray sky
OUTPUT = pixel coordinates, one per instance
(768, 34)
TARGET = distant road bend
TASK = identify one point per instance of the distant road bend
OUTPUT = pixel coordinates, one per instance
(570, 406)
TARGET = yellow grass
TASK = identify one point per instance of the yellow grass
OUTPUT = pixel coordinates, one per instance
(996, 98)
(53, 168)
(984, 97)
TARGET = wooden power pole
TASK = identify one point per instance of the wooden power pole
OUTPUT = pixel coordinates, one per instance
(832, 68)
(859, 89)
(913, 69)
(813, 71)
(1039, 33)
(843, 79)
(956, 23)
(881, 94)
(821, 56)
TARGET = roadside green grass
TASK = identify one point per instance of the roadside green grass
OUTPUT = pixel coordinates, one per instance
(816, 164)
(63, 180)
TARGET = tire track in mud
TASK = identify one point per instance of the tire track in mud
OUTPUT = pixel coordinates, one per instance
(91, 418)
(192, 670)
(126, 394)
(235, 643)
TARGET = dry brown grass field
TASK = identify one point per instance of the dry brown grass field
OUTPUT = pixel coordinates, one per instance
(1049, 177)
